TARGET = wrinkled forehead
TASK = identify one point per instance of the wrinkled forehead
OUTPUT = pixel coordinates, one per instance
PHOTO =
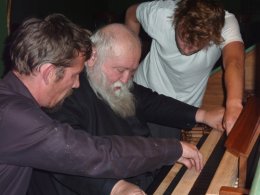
(127, 60)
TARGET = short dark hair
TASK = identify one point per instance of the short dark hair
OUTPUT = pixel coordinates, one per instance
(54, 39)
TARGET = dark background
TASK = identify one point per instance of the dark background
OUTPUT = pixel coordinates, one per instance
(88, 14)
(93, 14)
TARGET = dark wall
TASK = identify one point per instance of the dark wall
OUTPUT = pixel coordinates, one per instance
(86, 13)
(92, 14)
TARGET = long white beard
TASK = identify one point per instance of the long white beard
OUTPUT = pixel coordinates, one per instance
(117, 95)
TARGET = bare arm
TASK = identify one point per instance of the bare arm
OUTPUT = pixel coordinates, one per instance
(212, 118)
(233, 60)
(131, 20)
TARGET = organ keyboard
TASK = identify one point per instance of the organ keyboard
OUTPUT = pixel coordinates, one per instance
(230, 154)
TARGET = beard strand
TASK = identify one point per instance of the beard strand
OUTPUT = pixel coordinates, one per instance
(121, 102)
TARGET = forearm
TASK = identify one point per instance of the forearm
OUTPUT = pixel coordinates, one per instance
(131, 20)
(234, 74)
(234, 82)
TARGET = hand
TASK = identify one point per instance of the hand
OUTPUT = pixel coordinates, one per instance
(212, 118)
(231, 115)
(191, 156)
(126, 188)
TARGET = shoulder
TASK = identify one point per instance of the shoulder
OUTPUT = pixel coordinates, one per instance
(12, 102)
(230, 19)
(230, 31)
(156, 8)
(156, 17)
(18, 110)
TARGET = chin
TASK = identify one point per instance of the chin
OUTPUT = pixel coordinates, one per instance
(55, 107)
(117, 92)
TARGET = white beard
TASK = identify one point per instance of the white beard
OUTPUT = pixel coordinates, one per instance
(117, 95)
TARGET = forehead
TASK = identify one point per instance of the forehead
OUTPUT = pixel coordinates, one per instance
(77, 63)
(126, 60)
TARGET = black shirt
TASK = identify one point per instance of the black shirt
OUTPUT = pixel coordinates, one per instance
(31, 139)
(84, 110)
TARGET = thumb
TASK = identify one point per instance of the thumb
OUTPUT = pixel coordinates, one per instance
(186, 162)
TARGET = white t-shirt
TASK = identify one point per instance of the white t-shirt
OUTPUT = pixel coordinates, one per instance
(165, 69)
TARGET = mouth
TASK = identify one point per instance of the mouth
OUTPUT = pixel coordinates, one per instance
(117, 88)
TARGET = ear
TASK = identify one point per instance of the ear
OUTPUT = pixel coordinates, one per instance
(91, 61)
(48, 72)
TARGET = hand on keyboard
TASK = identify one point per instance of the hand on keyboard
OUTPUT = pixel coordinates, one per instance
(126, 188)
(191, 156)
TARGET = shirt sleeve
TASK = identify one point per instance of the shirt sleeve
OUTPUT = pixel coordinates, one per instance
(30, 138)
(231, 30)
(160, 109)
(154, 17)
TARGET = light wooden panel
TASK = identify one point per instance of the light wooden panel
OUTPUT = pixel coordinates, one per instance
(191, 175)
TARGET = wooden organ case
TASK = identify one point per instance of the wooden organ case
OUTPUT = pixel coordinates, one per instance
(226, 158)
(225, 167)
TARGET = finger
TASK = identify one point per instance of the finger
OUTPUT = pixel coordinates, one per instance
(220, 127)
(201, 164)
(140, 192)
(229, 125)
(198, 161)
(224, 124)
(192, 162)
(186, 162)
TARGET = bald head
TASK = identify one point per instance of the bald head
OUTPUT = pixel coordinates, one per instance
(115, 39)
(121, 35)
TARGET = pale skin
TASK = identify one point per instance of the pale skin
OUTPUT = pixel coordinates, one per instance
(233, 59)
(121, 67)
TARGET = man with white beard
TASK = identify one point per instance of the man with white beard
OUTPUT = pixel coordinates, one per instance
(108, 102)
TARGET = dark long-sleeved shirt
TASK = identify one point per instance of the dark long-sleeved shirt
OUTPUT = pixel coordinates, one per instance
(31, 139)
(84, 110)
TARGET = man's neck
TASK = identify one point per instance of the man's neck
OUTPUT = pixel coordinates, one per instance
(31, 82)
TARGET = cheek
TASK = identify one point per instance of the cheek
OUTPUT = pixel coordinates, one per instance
(67, 86)
(112, 76)
(180, 44)
(70, 81)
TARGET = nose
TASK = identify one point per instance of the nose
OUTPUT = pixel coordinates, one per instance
(76, 83)
(125, 77)
(188, 50)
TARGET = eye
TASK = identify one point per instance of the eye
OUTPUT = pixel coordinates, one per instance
(120, 70)
(132, 73)
(75, 76)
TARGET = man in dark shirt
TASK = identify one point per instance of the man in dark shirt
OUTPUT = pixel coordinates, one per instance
(47, 57)
(109, 103)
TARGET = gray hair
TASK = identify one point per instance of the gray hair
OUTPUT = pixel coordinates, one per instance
(105, 39)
